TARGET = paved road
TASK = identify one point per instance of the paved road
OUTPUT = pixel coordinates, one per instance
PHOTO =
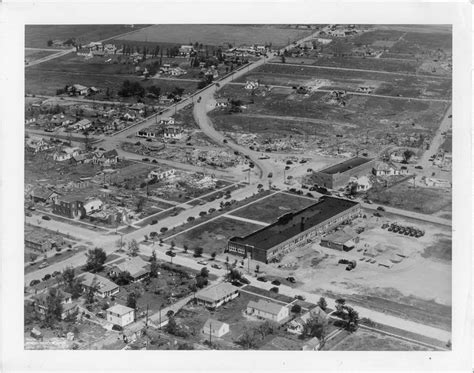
(437, 140)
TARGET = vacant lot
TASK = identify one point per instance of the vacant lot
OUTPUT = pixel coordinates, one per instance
(385, 84)
(441, 250)
(33, 55)
(407, 197)
(364, 340)
(235, 35)
(213, 235)
(271, 208)
(37, 36)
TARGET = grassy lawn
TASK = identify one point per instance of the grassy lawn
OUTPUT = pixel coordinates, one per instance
(33, 55)
(236, 35)
(404, 196)
(213, 235)
(363, 340)
(37, 36)
(269, 209)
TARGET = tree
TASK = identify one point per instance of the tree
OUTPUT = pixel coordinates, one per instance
(140, 204)
(314, 327)
(340, 303)
(283, 59)
(95, 260)
(33, 257)
(172, 326)
(204, 272)
(49, 43)
(296, 308)
(265, 329)
(352, 318)
(213, 255)
(257, 268)
(407, 155)
(132, 300)
(153, 265)
(198, 251)
(71, 283)
(124, 278)
(201, 281)
(248, 340)
(54, 307)
(133, 248)
(322, 303)
(186, 248)
(90, 292)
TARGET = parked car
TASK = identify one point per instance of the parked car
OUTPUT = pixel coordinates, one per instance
(291, 279)
(203, 262)
(276, 282)
(145, 159)
(262, 279)
(153, 222)
(45, 217)
(216, 266)
(419, 167)
(380, 208)
(300, 297)
(378, 214)
(274, 289)
(43, 265)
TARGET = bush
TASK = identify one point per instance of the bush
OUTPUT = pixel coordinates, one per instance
(296, 308)
(117, 328)
(46, 277)
(34, 282)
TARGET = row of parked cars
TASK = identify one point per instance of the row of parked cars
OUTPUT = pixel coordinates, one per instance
(407, 231)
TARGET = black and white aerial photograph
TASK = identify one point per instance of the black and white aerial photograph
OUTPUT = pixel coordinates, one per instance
(265, 187)
(282, 187)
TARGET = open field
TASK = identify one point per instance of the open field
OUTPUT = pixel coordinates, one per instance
(405, 196)
(384, 84)
(235, 35)
(271, 208)
(46, 82)
(33, 55)
(37, 36)
(213, 235)
(363, 340)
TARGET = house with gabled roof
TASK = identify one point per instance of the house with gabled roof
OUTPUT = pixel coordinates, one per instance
(264, 309)
(104, 287)
(214, 329)
(136, 266)
(215, 296)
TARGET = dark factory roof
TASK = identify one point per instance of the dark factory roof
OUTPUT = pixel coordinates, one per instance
(345, 166)
(291, 224)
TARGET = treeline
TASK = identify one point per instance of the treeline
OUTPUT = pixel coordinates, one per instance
(131, 88)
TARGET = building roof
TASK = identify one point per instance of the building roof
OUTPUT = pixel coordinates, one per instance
(291, 224)
(41, 298)
(119, 309)
(345, 166)
(79, 87)
(111, 154)
(103, 284)
(216, 292)
(42, 192)
(136, 266)
(266, 306)
(213, 324)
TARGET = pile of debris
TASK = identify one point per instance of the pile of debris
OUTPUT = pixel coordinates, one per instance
(336, 98)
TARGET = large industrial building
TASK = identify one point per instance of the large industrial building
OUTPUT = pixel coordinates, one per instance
(294, 229)
(337, 176)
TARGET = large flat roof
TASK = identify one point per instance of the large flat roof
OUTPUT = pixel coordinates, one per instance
(289, 225)
(345, 166)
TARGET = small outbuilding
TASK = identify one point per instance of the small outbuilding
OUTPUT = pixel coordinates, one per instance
(214, 329)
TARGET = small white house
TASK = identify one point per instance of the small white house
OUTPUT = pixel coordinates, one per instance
(120, 315)
(214, 329)
(167, 121)
(161, 175)
(265, 309)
